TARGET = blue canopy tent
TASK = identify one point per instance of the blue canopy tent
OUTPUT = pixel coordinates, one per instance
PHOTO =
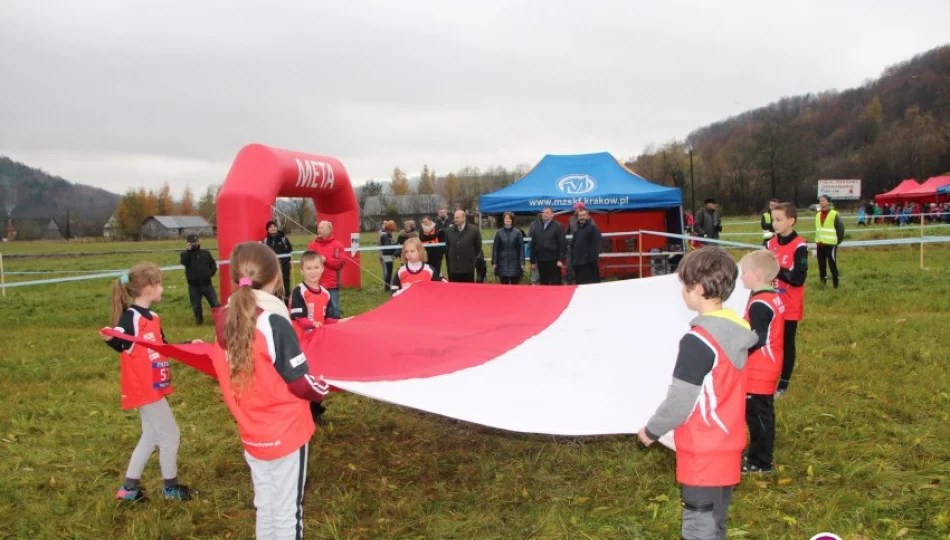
(597, 180)
(621, 200)
(943, 190)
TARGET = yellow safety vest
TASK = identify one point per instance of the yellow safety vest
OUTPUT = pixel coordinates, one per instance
(825, 232)
(767, 216)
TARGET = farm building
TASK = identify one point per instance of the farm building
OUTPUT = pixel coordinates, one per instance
(111, 230)
(53, 231)
(34, 229)
(175, 227)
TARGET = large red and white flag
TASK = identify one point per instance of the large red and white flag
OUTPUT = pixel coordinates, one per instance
(590, 360)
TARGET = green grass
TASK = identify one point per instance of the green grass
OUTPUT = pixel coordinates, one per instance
(863, 440)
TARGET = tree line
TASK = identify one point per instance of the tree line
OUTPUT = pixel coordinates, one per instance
(887, 130)
(460, 188)
(137, 204)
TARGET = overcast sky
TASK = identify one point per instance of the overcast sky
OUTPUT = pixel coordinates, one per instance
(119, 93)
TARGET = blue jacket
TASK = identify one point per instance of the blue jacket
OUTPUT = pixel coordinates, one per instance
(507, 252)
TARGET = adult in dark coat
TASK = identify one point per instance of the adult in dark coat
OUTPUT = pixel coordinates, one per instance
(507, 252)
(200, 267)
(437, 253)
(708, 221)
(585, 250)
(278, 241)
(464, 243)
(548, 248)
(386, 255)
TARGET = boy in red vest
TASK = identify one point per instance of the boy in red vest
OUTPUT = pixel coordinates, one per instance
(309, 301)
(791, 251)
(766, 315)
(705, 405)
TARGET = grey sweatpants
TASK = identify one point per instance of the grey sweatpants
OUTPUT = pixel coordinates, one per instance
(704, 512)
(158, 430)
(278, 494)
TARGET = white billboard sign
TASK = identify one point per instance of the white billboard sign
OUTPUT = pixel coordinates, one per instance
(840, 190)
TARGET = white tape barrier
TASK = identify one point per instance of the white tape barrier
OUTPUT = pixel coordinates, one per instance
(846, 244)
(892, 217)
(883, 228)
(726, 243)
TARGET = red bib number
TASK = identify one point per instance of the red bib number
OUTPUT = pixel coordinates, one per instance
(161, 375)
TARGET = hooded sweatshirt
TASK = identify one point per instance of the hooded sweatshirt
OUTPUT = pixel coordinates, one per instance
(694, 365)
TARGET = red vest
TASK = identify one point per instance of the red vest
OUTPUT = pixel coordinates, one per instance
(764, 366)
(792, 297)
(709, 444)
(146, 375)
(408, 277)
(271, 420)
(316, 302)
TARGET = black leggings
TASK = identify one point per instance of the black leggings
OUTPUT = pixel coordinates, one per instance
(828, 256)
(760, 417)
(788, 362)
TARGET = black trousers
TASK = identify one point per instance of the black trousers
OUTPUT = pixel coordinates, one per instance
(828, 257)
(588, 273)
(549, 273)
(435, 254)
(760, 417)
(788, 362)
(462, 277)
(509, 280)
(705, 510)
(196, 293)
(285, 275)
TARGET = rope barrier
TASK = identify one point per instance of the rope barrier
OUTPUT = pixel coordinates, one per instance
(103, 274)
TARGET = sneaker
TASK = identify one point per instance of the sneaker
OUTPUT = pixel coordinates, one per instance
(130, 495)
(179, 493)
(749, 468)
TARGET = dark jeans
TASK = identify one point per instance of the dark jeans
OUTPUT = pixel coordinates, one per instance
(760, 417)
(549, 273)
(828, 256)
(463, 277)
(196, 293)
(387, 274)
(509, 280)
(435, 255)
(704, 512)
(588, 273)
(333, 308)
(788, 363)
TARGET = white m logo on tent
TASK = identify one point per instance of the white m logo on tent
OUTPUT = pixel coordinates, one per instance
(576, 184)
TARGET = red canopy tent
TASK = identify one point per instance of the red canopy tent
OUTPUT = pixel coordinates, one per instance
(898, 193)
(927, 192)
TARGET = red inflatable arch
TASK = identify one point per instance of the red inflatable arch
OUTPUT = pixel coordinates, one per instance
(259, 175)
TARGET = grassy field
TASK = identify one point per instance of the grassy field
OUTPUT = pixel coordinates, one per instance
(863, 444)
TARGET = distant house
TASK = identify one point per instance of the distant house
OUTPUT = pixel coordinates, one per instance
(175, 227)
(399, 208)
(111, 230)
(52, 231)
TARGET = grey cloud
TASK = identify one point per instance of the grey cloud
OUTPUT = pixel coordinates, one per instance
(402, 83)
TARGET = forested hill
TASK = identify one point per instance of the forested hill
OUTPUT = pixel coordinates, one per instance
(889, 129)
(29, 194)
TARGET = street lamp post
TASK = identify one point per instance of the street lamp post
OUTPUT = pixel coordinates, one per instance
(692, 183)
